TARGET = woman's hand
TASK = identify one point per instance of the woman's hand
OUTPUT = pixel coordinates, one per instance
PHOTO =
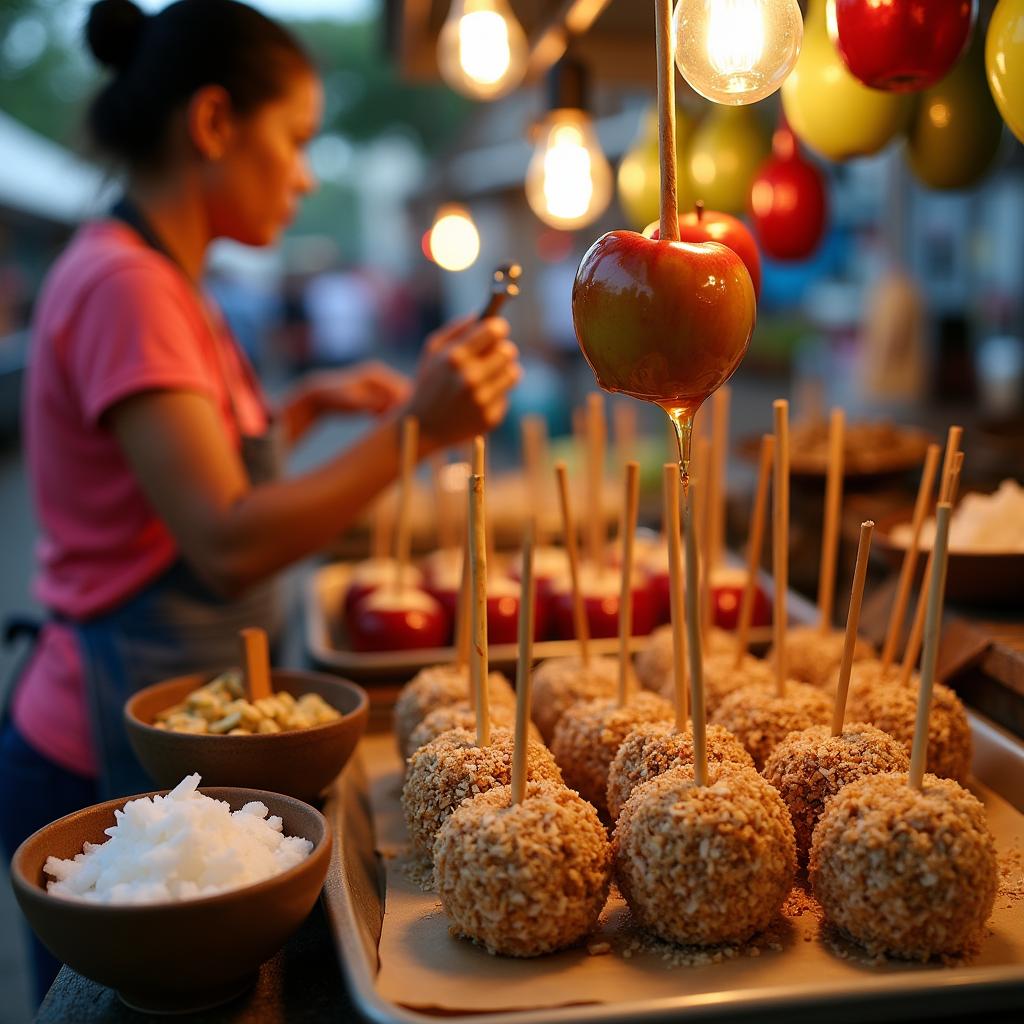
(371, 388)
(463, 380)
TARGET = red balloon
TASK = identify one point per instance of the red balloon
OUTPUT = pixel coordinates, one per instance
(900, 45)
(700, 225)
(788, 202)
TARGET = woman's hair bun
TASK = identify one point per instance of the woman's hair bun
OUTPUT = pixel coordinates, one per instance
(113, 31)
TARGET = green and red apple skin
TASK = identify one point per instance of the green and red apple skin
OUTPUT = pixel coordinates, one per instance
(666, 322)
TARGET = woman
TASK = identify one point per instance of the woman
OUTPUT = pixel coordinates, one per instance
(152, 452)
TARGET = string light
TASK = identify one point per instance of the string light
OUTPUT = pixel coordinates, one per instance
(482, 51)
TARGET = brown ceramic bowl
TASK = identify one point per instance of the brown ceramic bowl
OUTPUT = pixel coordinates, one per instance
(171, 957)
(299, 763)
(977, 578)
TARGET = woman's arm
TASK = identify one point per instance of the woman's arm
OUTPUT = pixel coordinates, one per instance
(235, 535)
(370, 387)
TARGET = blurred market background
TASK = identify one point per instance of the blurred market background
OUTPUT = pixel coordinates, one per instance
(904, 299)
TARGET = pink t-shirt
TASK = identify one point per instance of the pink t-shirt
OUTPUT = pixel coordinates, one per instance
(115, 318)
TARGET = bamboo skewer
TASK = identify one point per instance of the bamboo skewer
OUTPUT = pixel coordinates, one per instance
(906, 580)
(478, 584)
(630, 505)
(463, 613)
(669, 205)
(701, 462)
(596, 439)
(524, 673)
(579, 611)
(833, 510)
(755, 546)
(717, 489)
(933, 624)
(948, 495)
(380, 537)
(693, 641)
(852, 623)
(446, 531)
(780, 541)
(670, 482)
(535, 444)
(624, 422)
(256, 659)
(403, 528)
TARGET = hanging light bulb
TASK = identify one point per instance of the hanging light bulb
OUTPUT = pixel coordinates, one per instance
(482, 49)
(736, 51)
(569, 180)
(454, 242)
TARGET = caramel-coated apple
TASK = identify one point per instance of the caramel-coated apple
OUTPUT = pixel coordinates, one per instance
(397, 620)
(662, 321)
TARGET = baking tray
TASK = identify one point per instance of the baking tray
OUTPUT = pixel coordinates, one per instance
(327, 643)
(354, 903)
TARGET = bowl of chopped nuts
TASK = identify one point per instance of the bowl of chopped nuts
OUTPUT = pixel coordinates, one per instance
(295, 741)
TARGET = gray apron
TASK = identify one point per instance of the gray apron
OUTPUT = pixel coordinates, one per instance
(174, 626)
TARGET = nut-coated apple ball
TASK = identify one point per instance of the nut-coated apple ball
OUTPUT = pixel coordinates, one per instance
(702, 865)
(558, 683)
(453, 768)
(814, 657)
(461, 716)
(523, 879)
(588, 737)
(810, 766)
(435, 686)
(654, 661)
(653, 748)
(760, 719)
(911, 873)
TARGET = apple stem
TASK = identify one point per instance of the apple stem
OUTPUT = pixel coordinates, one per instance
(669, 226)
(699, 208)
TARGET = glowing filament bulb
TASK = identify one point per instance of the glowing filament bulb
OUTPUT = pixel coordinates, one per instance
(454, 242)
(736, 51)
(735, 36)
(484, 50)
(481, 50)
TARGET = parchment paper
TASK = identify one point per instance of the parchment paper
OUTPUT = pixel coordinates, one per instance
(423, 967)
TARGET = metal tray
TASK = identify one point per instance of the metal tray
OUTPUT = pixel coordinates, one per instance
(327, 642)
(354, 902)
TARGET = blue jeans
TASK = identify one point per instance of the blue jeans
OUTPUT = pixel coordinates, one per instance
(33, 792)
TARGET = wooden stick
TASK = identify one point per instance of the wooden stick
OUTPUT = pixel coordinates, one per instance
(830, 532)
(701, 462)
(534, 441)
(579, 611)
(464, 615)
(755, 546)
(718, 488)
(933, 626)
(383, 516)
(947, 494)
(907, 570)
(478, 576)
(693, 641)
(447, 535)
(780, 540)
(403, 530)
(630, 506)
(624, 422)
(596, 436)
(667, 121)
(256, 658)
(524, 671)
(852, 624)
(670, 484)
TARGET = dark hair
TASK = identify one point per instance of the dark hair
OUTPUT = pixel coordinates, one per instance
(160, 60)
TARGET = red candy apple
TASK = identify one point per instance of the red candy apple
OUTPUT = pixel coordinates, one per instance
(788, 201)
(601, 591)
(700, 225)
(900, 45)
(727, 586)
(666, 322)
(367, 576)
(397, 620)
(503, 611)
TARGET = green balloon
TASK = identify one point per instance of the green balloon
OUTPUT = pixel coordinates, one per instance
(726, 152)
(956, 129)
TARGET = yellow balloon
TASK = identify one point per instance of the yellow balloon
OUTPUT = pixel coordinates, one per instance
(828, 109)
(726, 153)
(639, 177)
(1004, 62)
